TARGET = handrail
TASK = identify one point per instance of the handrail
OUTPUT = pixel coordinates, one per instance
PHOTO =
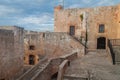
(111, 51)
(114, 39)
(109, 54)
(77, 40)
(115, 42)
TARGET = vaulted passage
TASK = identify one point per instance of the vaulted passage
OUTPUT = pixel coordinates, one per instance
(31, 59)
(101, 43)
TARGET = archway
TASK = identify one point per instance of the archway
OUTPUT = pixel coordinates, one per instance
(31, 59)
(101, 43)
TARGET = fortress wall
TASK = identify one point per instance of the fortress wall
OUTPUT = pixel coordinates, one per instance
(11, 52)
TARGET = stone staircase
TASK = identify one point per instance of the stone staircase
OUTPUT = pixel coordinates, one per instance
(77, 40)
(100, 52)
(33, 71)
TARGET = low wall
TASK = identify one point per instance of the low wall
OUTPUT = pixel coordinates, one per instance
(70, 56)
(53, 67)
(62, 69)
(31, 72)
(11, 52)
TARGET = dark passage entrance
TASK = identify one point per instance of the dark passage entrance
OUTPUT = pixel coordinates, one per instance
(54, 77)
(2, 79)
(72, 30)
(101, 43)
(31, 59)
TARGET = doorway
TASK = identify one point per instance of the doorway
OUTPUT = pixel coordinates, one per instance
(101, 43)
(31, 59)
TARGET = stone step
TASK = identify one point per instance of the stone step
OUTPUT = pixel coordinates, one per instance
(40, 67)
(96, 50)
(99, 52)
(33, 71)
(74, 78)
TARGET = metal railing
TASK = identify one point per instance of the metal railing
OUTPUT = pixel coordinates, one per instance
(115, 42)
(83, 44)
(112, 54)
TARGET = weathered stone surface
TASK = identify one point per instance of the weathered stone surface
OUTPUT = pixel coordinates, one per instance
(92, 18)
(11, 52)
(50, 44)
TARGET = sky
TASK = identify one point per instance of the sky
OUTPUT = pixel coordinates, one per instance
(38, 15)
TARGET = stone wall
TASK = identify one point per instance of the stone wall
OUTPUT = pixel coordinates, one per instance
(11, 52)
(58, 44)
(117, 18)
(34, 39)
(97, 16)
(70, 17)
(89, 22)
(50, 45)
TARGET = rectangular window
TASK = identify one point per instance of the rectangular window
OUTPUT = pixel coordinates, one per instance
(101, 28)
(72, 30)
(43, 35)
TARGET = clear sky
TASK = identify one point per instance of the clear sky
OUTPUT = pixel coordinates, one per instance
(38, 15)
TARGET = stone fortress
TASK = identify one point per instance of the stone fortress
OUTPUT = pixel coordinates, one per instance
(85, 45)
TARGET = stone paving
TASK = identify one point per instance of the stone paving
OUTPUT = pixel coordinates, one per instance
(94, 66)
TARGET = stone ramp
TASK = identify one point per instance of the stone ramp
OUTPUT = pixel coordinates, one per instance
(33, 71)
(95, 66)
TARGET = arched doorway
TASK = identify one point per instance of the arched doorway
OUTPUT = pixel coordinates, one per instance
(31, 59)
(101, 43)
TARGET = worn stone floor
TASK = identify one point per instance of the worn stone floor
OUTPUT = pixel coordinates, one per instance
(94, 65)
